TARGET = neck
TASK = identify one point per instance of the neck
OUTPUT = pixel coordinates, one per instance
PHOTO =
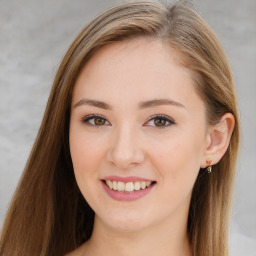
(162, 240)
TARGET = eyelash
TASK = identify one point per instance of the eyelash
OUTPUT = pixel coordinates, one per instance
(161, 117)
(90, 117)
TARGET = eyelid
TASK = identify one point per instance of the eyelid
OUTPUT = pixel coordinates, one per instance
(161, 116)
(88, 117)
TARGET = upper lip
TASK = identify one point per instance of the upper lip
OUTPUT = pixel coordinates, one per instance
(126, 179)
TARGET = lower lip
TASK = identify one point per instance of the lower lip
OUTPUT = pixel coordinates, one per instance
(127, 196)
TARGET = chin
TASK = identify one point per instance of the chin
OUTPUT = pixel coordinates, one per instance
(125, 222)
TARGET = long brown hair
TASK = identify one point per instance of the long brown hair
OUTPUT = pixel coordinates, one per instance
(48, 215)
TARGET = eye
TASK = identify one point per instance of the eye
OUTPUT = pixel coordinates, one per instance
(160, 121)
(96, 120)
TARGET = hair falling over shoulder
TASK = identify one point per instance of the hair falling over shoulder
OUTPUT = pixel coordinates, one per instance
(48, 216)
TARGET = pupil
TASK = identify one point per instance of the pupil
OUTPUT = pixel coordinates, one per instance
(160, 122)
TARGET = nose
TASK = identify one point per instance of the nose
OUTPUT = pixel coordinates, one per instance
(125, 151)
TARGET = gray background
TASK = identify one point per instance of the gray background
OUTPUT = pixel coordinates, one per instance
(34, 36)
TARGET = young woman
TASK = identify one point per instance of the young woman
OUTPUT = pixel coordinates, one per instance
(137, 148)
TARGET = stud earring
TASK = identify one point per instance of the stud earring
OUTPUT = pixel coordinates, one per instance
(209, 168)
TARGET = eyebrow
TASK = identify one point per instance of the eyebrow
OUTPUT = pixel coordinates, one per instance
(93, 103)
(142, 105)
(159, 102)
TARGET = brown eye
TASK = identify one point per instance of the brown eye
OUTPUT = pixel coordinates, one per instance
(95, 120)
(160, 122)
(99, 121)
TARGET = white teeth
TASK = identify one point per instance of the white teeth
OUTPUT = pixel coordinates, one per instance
(120, 186)
(137, 185)
(109, 183)
(143, 184)
(114, 185)
(129, 186)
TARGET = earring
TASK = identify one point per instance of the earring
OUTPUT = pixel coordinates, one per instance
(209, 168)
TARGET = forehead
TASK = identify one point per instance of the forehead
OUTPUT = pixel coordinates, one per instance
(144, 52)
(143, 68)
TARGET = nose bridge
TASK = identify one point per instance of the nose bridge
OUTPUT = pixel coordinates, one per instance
(125, 150)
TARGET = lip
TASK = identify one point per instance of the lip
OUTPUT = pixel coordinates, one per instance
(126, 196)
(126, 179)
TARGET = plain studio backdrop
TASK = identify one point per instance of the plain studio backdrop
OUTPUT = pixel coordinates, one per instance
(34, 36)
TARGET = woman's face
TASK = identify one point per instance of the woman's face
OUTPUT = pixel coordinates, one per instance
(138, 135)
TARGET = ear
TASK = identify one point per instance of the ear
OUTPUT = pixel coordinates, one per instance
(218, 139)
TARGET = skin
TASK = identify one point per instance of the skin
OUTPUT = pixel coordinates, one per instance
(128, 141)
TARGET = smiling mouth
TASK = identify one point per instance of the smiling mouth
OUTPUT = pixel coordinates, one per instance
(130, 186)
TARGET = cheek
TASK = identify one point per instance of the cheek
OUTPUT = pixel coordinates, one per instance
(178, 162)
(86, 153)
(178, 152)
(178, 172)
